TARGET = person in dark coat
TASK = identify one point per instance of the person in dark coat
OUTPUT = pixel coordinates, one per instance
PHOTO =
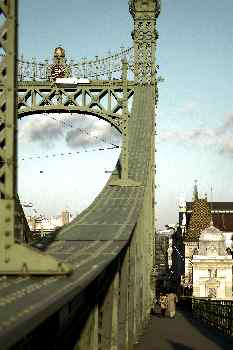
(163, 300)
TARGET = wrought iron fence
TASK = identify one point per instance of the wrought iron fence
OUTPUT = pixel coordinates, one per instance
(185, 302)
(216, 313)
(99, 68)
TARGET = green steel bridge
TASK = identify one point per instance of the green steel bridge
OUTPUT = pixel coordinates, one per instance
(92, 288)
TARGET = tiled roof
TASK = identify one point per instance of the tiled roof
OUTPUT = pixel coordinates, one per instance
(200, 219)
(214, 205)
(197, 221)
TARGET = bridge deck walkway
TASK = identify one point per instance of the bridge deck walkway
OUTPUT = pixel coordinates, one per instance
(182, 333)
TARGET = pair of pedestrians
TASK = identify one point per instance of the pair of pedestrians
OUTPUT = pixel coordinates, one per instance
(168, 302)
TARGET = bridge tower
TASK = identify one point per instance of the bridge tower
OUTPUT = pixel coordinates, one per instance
(145, 13)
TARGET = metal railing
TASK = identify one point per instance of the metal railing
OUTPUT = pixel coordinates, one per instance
(215, 313)
(103, 68)
(99, 68)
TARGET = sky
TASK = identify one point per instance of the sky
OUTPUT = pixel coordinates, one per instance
(194, 115)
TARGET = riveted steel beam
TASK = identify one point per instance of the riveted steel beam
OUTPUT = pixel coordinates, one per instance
(103, 99)
(14, 258)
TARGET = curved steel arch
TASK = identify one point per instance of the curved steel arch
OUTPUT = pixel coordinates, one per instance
(103, 99)
(63, 109)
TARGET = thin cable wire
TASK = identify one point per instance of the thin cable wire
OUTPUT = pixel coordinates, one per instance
(82, 130)
(96, 137)
(60, 121)
(56, 155)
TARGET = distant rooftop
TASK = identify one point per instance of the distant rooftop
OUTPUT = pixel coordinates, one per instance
(214, 205)
(221, 214)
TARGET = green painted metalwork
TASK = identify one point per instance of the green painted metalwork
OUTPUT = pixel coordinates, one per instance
(34, 97)
(8, 174)
(14, 258)
(38, 97)
(22, 229)
(144, 36)
(100, 68)
(107, 299)
(125, 180)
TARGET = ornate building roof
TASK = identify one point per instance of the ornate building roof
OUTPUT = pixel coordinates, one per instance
(212, 242)
(200, 219)
(211, 234)
(221, 212)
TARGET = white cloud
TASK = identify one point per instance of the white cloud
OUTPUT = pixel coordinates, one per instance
(220, 137)
(77, 130)
(42, 130)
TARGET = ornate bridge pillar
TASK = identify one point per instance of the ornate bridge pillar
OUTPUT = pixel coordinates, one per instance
(144, 13)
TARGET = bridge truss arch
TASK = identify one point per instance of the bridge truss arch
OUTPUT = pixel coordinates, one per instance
(101, 99)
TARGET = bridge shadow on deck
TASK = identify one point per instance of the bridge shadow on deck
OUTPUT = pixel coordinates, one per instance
(181, 333)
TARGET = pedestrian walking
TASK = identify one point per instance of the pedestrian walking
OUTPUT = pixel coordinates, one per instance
(163, 300)
(172, 300)
(155, 306)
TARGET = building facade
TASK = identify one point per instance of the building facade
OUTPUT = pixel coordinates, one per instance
(196, 216)
(40, 225)
(212, 266)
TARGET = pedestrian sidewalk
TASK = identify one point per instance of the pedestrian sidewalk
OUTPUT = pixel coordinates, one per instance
(182, 333)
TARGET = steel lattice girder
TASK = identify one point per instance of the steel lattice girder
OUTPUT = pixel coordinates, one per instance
(103, 99)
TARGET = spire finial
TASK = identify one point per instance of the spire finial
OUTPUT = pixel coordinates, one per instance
(195, 191)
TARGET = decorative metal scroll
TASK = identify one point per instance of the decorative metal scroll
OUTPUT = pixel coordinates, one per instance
(99, 68)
